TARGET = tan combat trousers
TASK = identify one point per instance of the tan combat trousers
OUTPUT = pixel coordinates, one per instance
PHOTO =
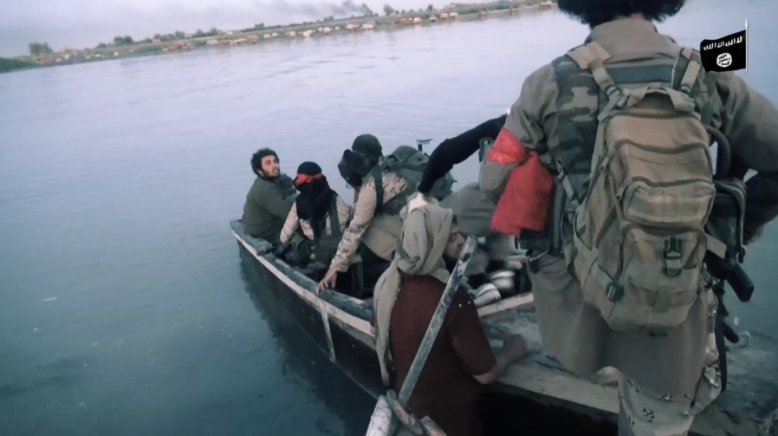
(580, 339)
(643, 412)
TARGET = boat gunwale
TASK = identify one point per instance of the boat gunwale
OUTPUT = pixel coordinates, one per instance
(353, 307)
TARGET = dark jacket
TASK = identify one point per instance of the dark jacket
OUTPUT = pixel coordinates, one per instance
(267, 206)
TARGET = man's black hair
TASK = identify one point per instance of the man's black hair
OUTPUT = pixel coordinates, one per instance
(256, 159)
(596, 12)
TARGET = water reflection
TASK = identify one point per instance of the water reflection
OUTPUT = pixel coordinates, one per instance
(305, 364)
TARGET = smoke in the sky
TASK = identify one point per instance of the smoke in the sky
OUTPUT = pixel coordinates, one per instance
(85, 23)
(315, 10)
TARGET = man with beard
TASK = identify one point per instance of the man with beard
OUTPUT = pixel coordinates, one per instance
(269, 199)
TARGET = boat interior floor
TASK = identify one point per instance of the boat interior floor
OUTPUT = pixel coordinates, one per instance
(359, 284)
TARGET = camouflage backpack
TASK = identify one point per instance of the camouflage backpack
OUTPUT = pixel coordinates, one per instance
(408, 163)
(640, 204)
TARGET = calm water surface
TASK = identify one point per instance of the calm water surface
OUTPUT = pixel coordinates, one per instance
(124, 308)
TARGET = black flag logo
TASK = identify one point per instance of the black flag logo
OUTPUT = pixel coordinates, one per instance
(725, 54)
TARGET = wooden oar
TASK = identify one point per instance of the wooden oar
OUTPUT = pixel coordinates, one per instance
(399, 405)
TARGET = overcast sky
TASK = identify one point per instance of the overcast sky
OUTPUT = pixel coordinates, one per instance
(85, 23)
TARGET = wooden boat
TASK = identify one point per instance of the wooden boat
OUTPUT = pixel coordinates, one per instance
(537, 391)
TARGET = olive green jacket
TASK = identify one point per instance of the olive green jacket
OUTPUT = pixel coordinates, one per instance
(267, 205)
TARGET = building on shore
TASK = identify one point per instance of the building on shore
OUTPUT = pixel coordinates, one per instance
(447, 13)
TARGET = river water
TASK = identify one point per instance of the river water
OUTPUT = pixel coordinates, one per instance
(124, 308)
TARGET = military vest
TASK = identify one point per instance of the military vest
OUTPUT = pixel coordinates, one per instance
(578, 105)
(326, 246)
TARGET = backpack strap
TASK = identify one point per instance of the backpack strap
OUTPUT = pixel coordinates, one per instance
(335, 218)
(378, 178)
(686, 79)
(693, 67)
(577, 105)
(592, 56)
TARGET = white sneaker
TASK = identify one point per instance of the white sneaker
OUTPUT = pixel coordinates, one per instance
(486, 294)
(502, 279)
(516, 262)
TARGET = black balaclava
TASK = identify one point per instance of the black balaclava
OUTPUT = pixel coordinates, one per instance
(354, 167)
(315, 199)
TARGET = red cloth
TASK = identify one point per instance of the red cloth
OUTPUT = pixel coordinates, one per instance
(526, 202)
(507, 149)
(305, 178)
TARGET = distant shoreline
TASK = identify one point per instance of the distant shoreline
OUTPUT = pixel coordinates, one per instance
(320, 29)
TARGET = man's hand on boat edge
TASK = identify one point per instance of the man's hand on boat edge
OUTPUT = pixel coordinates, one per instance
(328, 281)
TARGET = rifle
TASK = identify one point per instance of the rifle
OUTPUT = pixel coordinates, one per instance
(726, 225)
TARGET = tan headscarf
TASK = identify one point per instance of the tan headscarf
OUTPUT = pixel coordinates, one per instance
(419, 252)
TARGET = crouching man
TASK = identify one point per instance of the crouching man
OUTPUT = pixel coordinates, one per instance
(450, 386)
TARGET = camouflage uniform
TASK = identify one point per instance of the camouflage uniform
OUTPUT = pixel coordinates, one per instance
(666, 379)
(379, 232)
(293, 222)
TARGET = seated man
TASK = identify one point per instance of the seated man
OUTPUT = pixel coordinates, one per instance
(269, 199)
(313, 212)
(376, 224)
(461, 360)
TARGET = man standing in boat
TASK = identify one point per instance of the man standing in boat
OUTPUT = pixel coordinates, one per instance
(471, 206)
(270, 198)
(665, 378)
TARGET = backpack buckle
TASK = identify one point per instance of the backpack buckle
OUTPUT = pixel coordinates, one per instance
(614, 291)
(672, 257)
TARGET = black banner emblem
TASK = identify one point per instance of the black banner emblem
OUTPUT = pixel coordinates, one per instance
(726, 54)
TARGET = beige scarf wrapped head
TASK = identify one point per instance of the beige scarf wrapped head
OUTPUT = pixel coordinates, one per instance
(420, 249)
